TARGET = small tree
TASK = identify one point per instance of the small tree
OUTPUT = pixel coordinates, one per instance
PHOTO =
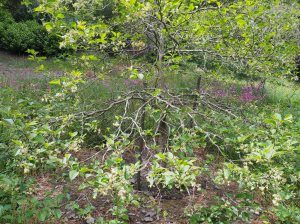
(253, 38)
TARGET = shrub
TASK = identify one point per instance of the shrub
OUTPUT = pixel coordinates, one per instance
(19, 37)
(51, 46)
(2, 30)
(5, 16)
(224, 211)
(44, 42)
(5, 20)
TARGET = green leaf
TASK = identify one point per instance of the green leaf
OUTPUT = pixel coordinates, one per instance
(73, 134)
(168, 177)
(156, 92)
(150, 179)
(48, 26)
(277, 117)
(42, 215)
(9, 121)
(269, 152)
(85, 170)
(140, 76)
(83, 186)
(57, 213)
(60, 16)
(226, 174)
(241, 23)
(39, 9)
(73, 174)
(55, 82)
(288, 118)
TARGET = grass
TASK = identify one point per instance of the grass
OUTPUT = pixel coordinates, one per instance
(18, 71)
(22, 62)
(284, 92)
(19, 68)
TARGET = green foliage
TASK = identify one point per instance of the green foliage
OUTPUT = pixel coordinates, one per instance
(270, 155)
(19, 37)
(5, 21)
(40, 143)
(31, 142)
(25, 34)
(288, 214)
(169, 171)
(18, 205)
(252, 36)
(224, 211)
(147, 130)
(19, 11)
(5, 16)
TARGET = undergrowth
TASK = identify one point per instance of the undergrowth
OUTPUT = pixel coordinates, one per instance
(43, 129)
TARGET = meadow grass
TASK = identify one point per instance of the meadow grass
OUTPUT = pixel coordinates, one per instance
(284, 93)
(279, 91)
